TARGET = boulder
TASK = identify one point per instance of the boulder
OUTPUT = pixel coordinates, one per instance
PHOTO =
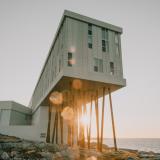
(5, 156)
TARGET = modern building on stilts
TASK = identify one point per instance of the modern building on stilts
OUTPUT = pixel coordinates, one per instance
(84, 63)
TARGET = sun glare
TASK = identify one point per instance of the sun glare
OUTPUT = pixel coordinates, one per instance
(84, 120)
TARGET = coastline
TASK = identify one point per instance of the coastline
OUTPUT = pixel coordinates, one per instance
(13, 148)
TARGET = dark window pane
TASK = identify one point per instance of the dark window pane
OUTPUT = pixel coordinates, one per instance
(89, 39)
(111, 68)
(89, 32)
(103, 42)
(69, 59)
(89, 45)
(104, 49)
(90, 27)
(96, 68)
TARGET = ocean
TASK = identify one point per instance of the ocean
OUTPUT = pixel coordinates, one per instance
(141, 144)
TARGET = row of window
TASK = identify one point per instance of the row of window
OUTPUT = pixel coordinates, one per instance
(98, 64)
(105, 39)
(90, 36)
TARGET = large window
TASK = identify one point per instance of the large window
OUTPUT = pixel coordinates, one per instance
(70, 59)
(98, 65)
(105, 40)
(111, 68)
(89, 35)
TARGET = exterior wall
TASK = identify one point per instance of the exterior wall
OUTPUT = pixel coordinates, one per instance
(25, 132)
(40, 119)
(18, 118)
(5, 117)
(53, 67)
(14, 123)
(84, 57)
(12, 113)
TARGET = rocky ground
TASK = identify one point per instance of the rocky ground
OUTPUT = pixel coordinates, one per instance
(12, 148)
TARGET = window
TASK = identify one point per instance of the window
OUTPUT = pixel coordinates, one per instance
(105, 42)
(111, 68)
(117, 44)
(69, 59)
(89, 35)
(98, 65)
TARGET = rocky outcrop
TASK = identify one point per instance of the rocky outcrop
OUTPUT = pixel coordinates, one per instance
(12, 148)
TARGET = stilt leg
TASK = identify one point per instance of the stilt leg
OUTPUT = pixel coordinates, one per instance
(61, 125)
(97, 118)
(54, 127)
(112, 117)
(89, 134)
(57, 128)
(102, 121)
(49, 123)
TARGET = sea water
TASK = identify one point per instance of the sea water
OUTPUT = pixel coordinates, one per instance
(141, 144)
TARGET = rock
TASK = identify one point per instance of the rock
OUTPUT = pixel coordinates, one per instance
(8, 146)
(52, 148)
(5, 156)
(13, 153)
(26, 145)
(46, 155)
(130, 158)
(17, 158)
(40, 145)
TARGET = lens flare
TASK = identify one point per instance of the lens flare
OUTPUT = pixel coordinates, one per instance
(92, 158)
(72, 49)
(72, 61)
(84, 120)
(77, 84)
(67, 113)
(56, 98)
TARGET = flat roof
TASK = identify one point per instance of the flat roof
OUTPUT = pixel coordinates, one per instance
(12, 105)
(92, 21)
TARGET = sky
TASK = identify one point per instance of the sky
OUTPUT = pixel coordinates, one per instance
(27, 29)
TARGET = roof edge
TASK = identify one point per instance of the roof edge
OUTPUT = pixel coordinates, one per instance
(94, 21)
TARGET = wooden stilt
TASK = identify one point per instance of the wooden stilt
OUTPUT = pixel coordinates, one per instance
(54, 127)
(89, 134)
(97, 119)
(61, 125)
(49, 124)
(69, 134)
(57, 128)
(112, 117)
(83, 113)
(73, 122)
(81, 126)
(102, 120)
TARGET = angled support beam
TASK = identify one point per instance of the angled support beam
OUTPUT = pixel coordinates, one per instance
(61, 124)
(97, 118)
(89, 129)
(54, 127)
(112, 117)
(102, 120)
